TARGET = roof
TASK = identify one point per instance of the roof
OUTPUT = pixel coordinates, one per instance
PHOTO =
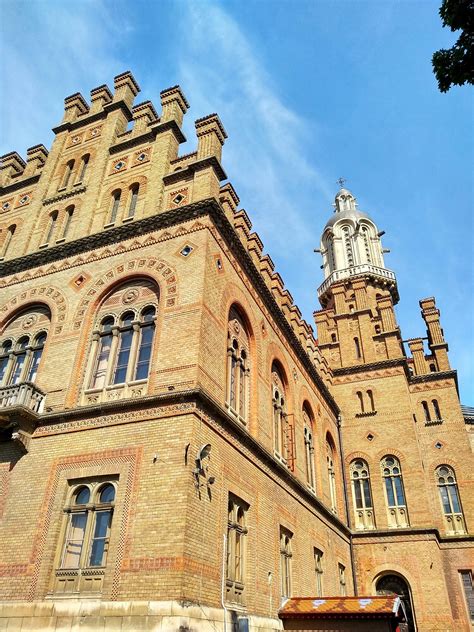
(353, 214)
(468, 413)
(384, 606)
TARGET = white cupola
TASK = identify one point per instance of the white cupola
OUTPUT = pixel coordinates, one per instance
(350, 244)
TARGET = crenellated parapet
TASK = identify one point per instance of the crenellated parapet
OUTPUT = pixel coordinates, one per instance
(11, 165)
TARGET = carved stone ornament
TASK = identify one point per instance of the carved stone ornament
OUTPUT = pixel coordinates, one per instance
(130, 297)
(29, 321)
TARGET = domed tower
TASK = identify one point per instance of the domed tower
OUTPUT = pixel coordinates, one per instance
(357, 324)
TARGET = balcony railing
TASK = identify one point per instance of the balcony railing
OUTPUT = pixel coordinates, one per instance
(24, 394)
(363, 268)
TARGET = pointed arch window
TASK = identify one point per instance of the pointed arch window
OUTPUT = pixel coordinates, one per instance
(281, 430)
(331, 470)
(394, 492)
(67, 220)
(53, 218)
(450, 501)
(362, 495)
(308, 446)
(84, 164)
(133, 200)
(115, 205)
(67, 173)
(7, 241)
(238, 366)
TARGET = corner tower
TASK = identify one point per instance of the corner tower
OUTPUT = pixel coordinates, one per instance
(357, 323)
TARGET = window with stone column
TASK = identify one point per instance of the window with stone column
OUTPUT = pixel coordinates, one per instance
(122, 344)
(238, 366)
(308, 428)
(362, 495)
(282, 431)
(450, 500)
(394, 492)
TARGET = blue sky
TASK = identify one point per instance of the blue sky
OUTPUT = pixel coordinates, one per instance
(307, 91)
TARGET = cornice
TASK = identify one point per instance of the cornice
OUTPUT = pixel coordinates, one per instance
(372, 366)
(198, 165)
(210, 406)
(25, 182)
(149, 136)
(69, 126)
(64, 196)
(401, 533)
(432, 377)
(163, 220)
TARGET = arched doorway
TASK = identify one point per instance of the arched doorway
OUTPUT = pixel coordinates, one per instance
(395, 584)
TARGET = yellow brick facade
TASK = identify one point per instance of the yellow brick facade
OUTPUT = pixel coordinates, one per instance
(111, 214)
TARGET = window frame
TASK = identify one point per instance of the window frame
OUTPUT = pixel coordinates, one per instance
(236, 549)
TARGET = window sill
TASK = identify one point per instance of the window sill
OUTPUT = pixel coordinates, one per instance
(434, 422)
(61, 189)
(369, 414)
(43, 246)
(128, 219)
(109, 225)
(78, 184)
(61, 241)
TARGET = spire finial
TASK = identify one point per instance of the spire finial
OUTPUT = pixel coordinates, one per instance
(341, 181)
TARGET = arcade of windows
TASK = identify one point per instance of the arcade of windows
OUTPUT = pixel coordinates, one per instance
(69, 169)
(51, 231)
(366, 403)
(131, 199)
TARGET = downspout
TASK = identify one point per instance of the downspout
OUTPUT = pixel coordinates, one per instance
(224, 553)
(346, 503)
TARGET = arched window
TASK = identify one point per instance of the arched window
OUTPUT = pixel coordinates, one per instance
(53, 218)
(285, 562)
(133, 200)
(370, 395)
(362, 496)
(330, 253)
(7, 241)
(396, 585)
(348, 246)
(360, 397)
(20, 352)
(308, 445)
(450, 502)
(280, 418)
(333, 338)
(394, 492)
(82, 172)
(89, 515)
(115, 205)
(330, 452)
(122, 344)
(365, 239)
(432, 367)
(426, 410)
(238, 365)
(436, 409)
(236, 535)
(67, 220)
(358, 353)
(67, 173)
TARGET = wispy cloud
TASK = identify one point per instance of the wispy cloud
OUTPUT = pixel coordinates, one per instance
(266, 155)
(45, 51)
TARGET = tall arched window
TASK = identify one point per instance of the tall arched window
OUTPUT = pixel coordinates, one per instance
(360, 397)
(67, 173)
(20, 352)
(357, 350)
(82, 172)
(53, 218)
(133, 200)
(330, 462)
(394, 492)
(280, 418)
(115, 205)
(67, 220)
(436, 409)
(348, 246)
(362, 496)
(308, 445)
(238, 365)
(370, 395)
(7, 241)
(365, 239)
(426, 410)
(122, 344)
(450, 502)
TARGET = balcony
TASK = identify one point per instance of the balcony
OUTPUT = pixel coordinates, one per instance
(25, 394)
(363, 269)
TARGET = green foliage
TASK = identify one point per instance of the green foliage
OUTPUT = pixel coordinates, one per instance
(455, 66)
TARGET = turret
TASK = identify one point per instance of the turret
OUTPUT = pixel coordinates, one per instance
(351, 246)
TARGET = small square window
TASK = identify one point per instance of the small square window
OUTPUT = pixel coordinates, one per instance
(186, 251)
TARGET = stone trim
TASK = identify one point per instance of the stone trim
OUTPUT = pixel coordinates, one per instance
(64, 196)
(20, 183)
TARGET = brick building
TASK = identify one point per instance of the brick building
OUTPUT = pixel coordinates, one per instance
(177, 450)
